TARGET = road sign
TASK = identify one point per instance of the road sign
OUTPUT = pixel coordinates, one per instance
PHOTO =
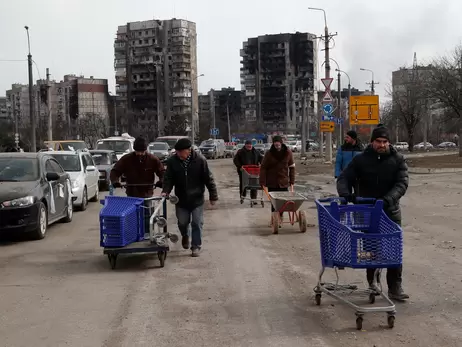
(214, 131)
(328, 108)
(328, 117)
(327, 82)
(364, 110)
(327, 98)
(327, 127)
(339, 121)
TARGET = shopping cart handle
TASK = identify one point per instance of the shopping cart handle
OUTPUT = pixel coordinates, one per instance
(333, 199)
(365, 200)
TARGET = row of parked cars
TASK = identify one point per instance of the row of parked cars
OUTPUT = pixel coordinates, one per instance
(404, 146)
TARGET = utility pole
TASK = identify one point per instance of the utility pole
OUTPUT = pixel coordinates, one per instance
(31, 97)
(227, 115)
(50, 117)
(304, 113)
(339, 106)
(212, 111)
(193, 130)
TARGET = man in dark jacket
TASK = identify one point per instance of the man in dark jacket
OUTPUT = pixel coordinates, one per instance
(380, 172)
(277, 171)
(347, 152)
(247, 155)
(189, 173)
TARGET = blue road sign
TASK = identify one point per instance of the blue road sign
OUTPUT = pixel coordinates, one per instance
(328, 118)
(214, 132)
(339, 121)
(328, 108)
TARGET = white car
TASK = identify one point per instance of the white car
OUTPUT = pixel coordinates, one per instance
(121, 145)
(447, 145)
(83, 173)
(421, 145)
(402, 146)
(294, 146)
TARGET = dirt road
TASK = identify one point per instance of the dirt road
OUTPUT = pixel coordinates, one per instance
(248, 288)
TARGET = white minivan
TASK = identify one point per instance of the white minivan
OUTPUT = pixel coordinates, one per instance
(121, 145)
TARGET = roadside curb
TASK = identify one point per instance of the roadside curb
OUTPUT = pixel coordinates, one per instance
(425, 170)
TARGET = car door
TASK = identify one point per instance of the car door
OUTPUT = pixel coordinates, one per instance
(55, 205)
(92, 176)
(62, 199)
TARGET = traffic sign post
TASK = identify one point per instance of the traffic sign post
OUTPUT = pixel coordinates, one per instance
(327, 126)
(364, 110)
(214, 132)
(328, 108)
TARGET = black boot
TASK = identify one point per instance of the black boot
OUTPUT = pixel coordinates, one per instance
(395, 288)
(370, 273)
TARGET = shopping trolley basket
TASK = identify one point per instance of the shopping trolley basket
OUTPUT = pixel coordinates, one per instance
(359, 236)
(251, 181)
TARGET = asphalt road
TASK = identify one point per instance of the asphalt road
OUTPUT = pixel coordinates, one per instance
(248, 288)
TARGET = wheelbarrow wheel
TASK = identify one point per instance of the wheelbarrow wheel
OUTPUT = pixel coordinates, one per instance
(302, 221)
(275, 220)
(112, 260)
(162, 255)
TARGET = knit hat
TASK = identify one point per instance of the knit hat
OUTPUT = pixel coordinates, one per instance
(140, 144)
(248, 142)
(380, 132)
(183, 143)
(277, 138)
(352, 134)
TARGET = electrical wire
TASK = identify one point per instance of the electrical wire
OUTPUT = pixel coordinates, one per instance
(12, 60)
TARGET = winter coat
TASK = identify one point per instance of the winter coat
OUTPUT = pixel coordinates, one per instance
(344, 156)
(189, 179)
(139, 171)
(246, 157)
(380, 176)
(278, 168)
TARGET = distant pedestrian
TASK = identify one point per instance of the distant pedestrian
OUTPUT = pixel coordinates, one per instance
(345, 154)
(247, 155)
(189, 173)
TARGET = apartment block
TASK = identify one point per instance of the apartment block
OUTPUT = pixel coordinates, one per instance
(156, 72)
(214, 109)
(276, 70)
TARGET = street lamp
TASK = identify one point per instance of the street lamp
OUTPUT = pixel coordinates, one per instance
(31, 96)
(193, 130)
(372, 83)
(115, 113)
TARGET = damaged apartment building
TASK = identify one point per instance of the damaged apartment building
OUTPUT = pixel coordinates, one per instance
(276, 71)
(156, 74)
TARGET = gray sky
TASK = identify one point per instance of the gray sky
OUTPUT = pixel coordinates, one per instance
(78, 36)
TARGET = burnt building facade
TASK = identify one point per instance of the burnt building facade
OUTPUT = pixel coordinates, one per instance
(276, 71)
(156, 73)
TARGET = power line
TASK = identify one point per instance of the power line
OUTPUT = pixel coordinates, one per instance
(12, 60)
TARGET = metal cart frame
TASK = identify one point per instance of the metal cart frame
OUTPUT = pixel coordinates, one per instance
(337, 291)
(251, 181)
(159, 237)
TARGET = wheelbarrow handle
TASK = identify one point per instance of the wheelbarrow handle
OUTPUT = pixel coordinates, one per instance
(265, 189)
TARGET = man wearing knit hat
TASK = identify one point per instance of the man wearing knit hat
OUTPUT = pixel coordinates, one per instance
(247, 155)
(277, 171)
(379, 172)
(350, 148)
(189, 173)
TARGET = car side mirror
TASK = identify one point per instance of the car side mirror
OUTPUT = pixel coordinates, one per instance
(52, 176)
(91, 168)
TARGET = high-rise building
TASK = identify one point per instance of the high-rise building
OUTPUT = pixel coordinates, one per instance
(156, 73)
(276, 70)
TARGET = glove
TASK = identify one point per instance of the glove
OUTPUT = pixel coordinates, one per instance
(158, 184)
(117, 185)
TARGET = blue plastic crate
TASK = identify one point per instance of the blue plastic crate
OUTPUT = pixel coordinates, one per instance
(358, 236)
(120, 221)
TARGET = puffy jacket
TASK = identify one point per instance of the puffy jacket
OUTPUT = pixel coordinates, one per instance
(278, 168)
(345, 155)
(189, 181)
(379, 176)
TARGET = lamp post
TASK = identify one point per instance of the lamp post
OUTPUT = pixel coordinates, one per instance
(349, 87)
(31, 96)
(373, 83)
(193, 127)
(115, 113)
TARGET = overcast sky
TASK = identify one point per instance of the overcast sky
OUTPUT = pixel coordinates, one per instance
(78, 36)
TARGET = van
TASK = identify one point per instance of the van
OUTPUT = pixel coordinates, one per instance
(213, 148)
(171, 140)
(121, 145)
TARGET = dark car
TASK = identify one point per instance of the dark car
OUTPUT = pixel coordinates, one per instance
(160, 149)
(104, 160)
(35, 192)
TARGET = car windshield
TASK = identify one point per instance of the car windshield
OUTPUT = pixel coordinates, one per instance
(19, 169)
(159, 147)
(101, 158)
(114, 145)
(69, 162)
(171, 142)
(73, 146)
(230, 147)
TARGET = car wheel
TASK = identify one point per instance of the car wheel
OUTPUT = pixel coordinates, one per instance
(42, 222)
(84, 205)
(96, 197)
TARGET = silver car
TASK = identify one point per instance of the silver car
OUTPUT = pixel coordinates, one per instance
(160, 149)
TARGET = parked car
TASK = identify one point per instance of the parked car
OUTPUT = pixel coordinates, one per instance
(294, 146)
(421, 145)
(119, 144)
(104, 161)
(213, 149)
(230, 151)
(35, 192)
(402, 146)
(160, 149)
(447, 145)
(260, 147)
(83, 173)
(66, 145)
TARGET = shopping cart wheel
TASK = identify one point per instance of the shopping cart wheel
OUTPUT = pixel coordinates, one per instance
(262, 204)
(275, 222)
(112, 260)
(162, 255)
(242, 201)
(359, 323)
(302, 221)
(317, 298)
(391, 321)
(371, 298)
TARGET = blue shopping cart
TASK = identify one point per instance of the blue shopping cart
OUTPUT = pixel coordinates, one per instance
(358, 236)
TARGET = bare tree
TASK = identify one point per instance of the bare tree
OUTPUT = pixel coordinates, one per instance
(176, 126)
(445, 86)
(92, 127)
